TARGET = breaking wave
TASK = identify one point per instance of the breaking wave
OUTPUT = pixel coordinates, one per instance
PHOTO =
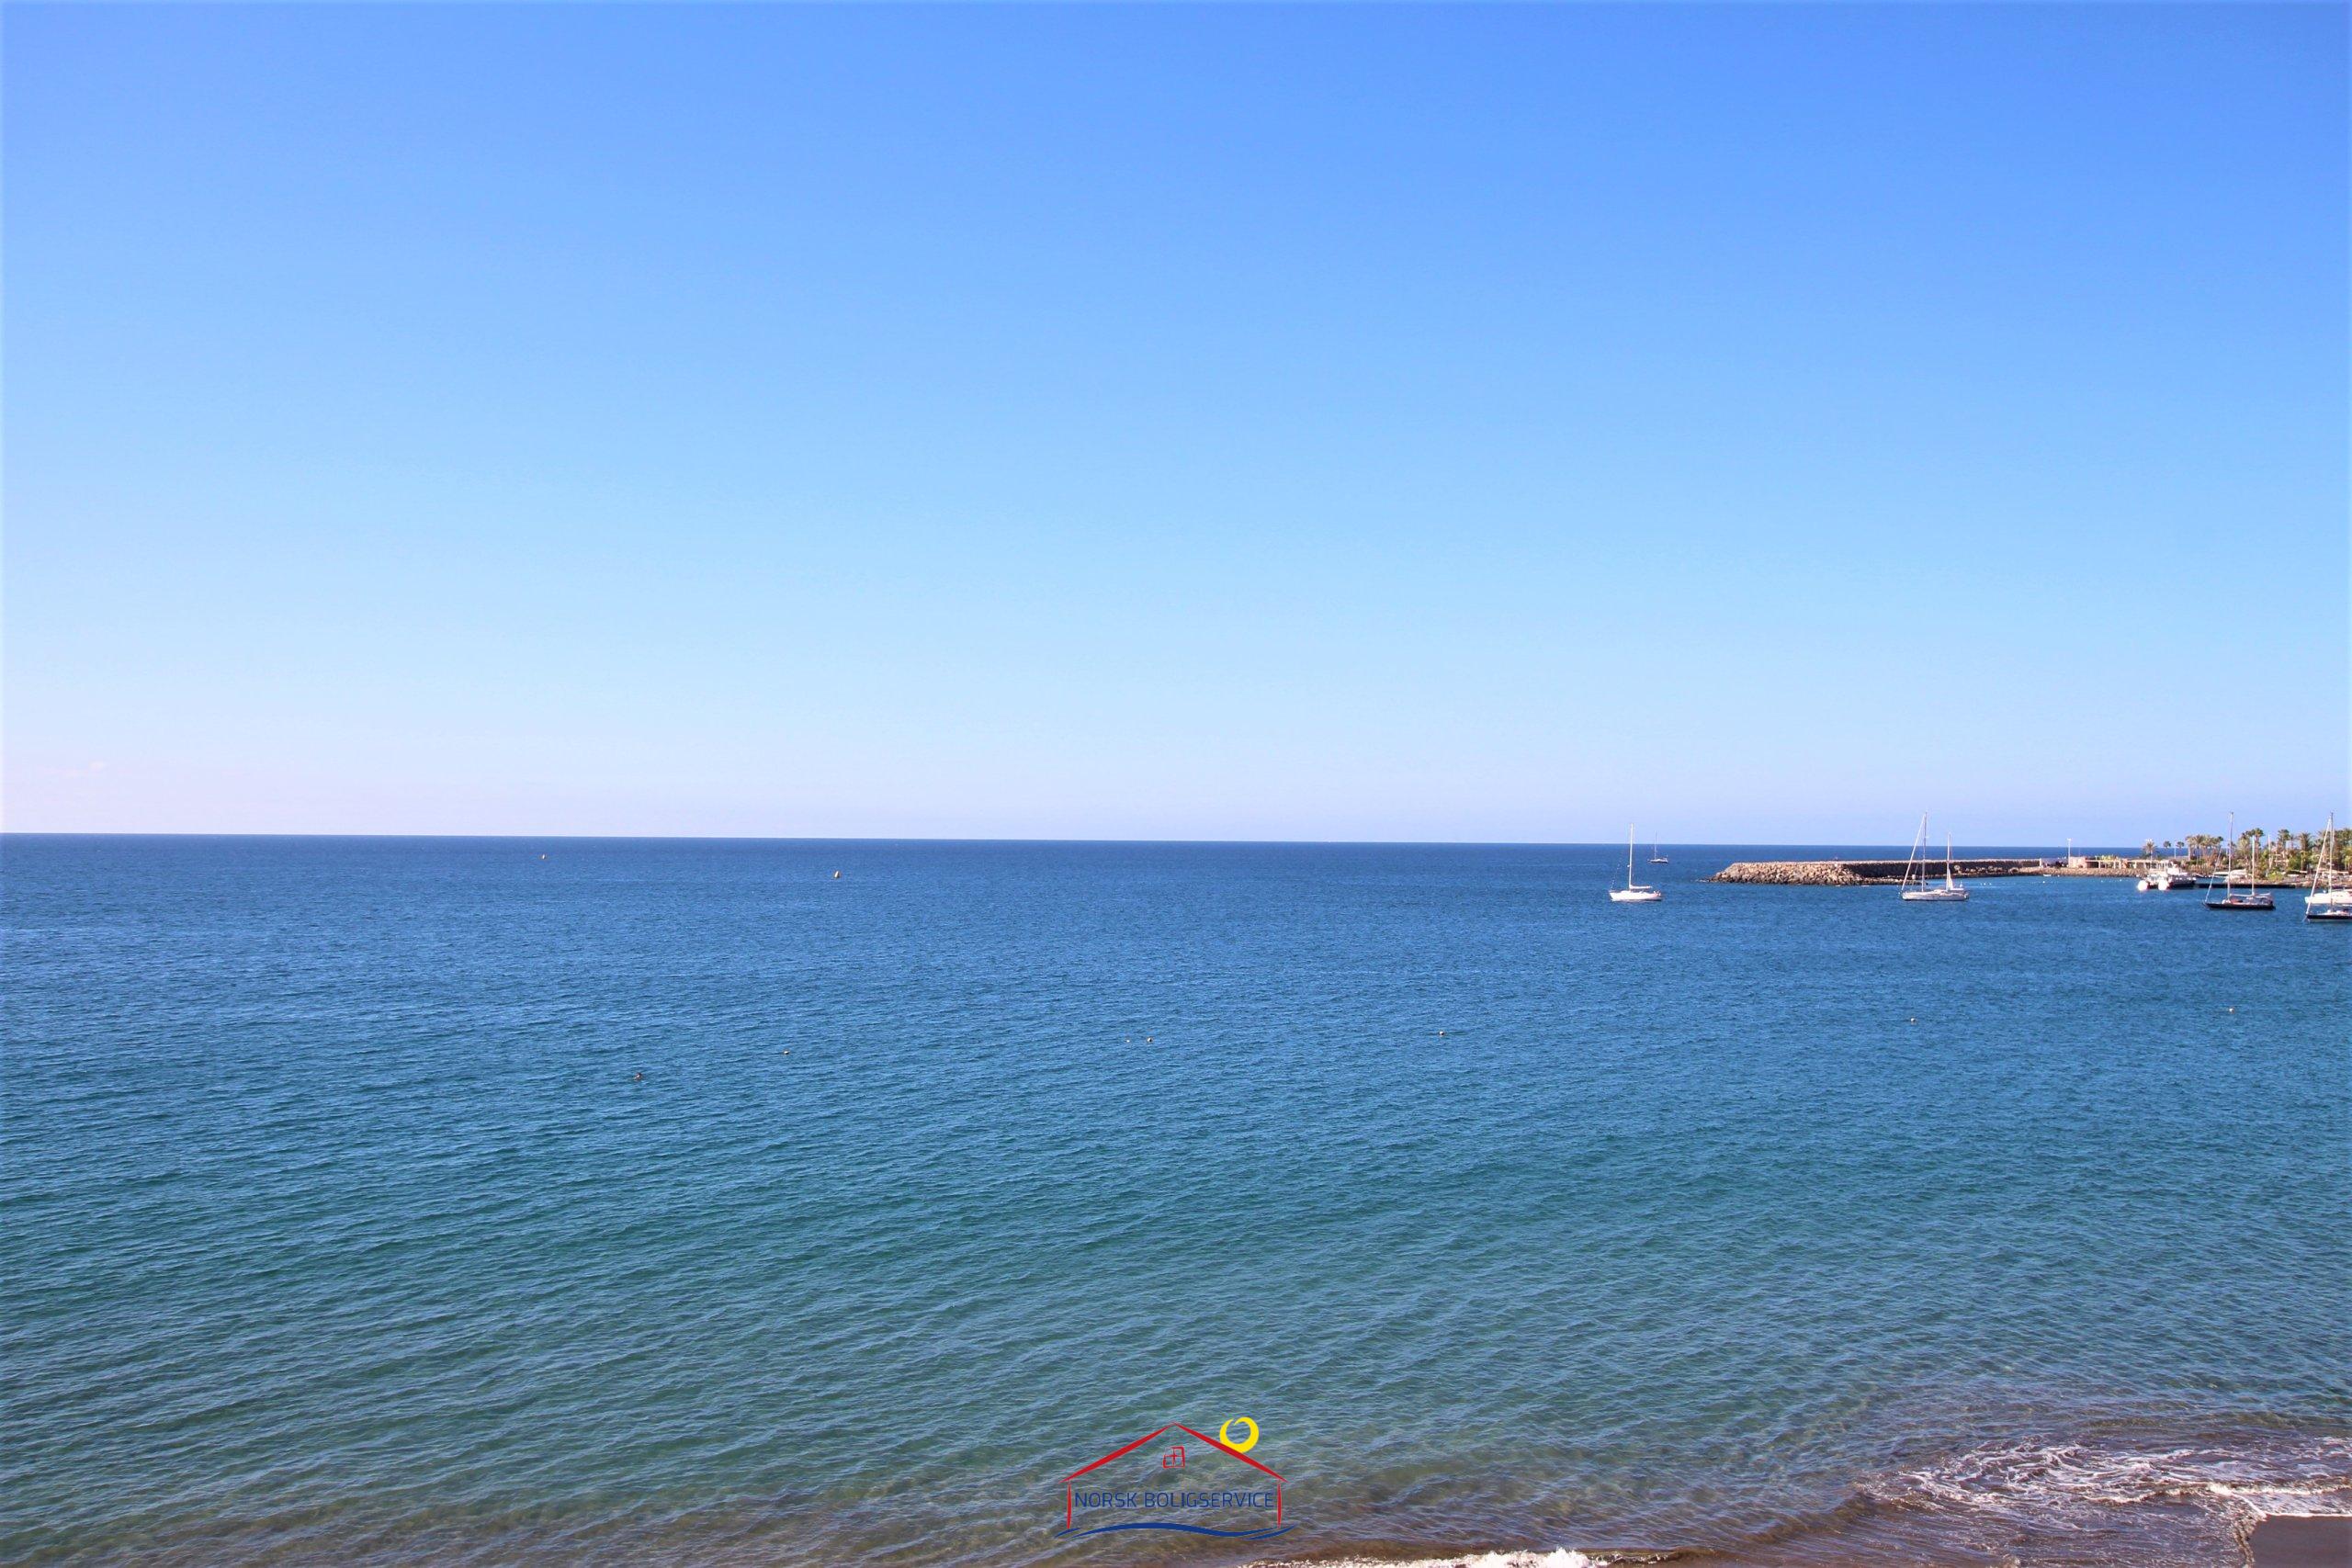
(2101, 1500)
(2041, 1477)
(2030, 1490)
(1558, 1558)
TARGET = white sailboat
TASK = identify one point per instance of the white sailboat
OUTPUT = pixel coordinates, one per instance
(1656, 857)
(1633, 892)
(2232, 897)
(2330, 898)
(1917, 890)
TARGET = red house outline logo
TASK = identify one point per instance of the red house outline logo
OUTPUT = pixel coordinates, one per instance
(1070, 1481)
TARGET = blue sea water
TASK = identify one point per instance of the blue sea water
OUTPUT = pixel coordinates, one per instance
(656, 1200)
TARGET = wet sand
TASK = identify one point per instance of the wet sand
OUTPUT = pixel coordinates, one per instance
(2286, 1541)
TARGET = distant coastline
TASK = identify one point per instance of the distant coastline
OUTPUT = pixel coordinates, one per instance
(2281, 859)
(1888, 872)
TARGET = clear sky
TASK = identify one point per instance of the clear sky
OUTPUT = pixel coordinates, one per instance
(1324, 422)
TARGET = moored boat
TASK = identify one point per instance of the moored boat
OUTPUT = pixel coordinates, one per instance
(2248, 898)
(1923, 891)
(2330, 898)
(1633, 892)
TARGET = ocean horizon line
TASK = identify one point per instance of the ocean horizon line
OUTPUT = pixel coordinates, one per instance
(2078, 846)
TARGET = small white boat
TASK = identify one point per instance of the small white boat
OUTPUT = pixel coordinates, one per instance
(2162, 879)
(1633, 892)
(2330, 898)
(1656, 858)
(1920, 890)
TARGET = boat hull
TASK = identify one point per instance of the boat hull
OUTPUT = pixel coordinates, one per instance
(1938, 896)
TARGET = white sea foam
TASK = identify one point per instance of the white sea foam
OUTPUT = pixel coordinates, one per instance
(2308, 1475)
(1560, 1557)
(2023, 1489)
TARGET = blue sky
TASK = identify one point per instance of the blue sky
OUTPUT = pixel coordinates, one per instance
(1319, 422)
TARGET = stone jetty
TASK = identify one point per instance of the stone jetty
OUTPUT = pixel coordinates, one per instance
(1865, 873)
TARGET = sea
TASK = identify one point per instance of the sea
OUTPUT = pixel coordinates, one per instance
(488, 1201)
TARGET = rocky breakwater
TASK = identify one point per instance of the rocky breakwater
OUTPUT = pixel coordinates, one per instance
(1793, 872)
(1861, 873)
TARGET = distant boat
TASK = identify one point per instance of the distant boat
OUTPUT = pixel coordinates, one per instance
(2232, 897)
(1633, 892)
(1656, 858)
(2330, 898)
(1917, 888)
(2164, 879)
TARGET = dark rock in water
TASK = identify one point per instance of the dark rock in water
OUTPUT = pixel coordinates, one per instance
(2301, 1541)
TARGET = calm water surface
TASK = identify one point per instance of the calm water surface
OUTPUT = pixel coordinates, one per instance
(1779, 1224)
